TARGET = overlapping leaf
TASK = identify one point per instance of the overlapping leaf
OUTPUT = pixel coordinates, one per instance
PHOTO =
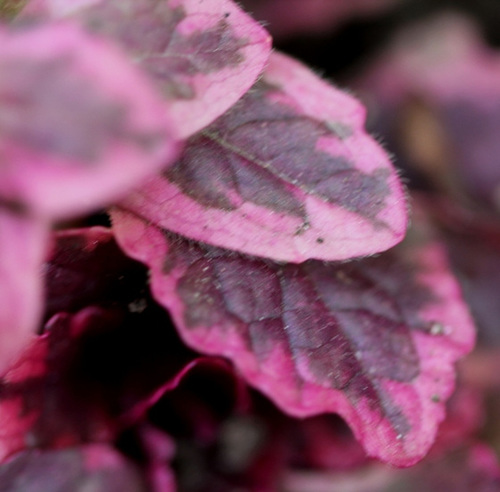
(203, 55)
(79, 125)
(373, 340)
(288, 173)
(98, 369)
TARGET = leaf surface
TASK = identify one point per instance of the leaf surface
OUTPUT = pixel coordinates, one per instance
(203, 55)
(288, 173)
(373, 340)
(79, 125)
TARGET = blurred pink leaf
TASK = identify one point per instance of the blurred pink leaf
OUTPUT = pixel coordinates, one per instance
(22, 251)
(94, 467)
(288, 173)
(474, 468)
(373, 340)
(203, 55)
(79, 124)
(443, 72)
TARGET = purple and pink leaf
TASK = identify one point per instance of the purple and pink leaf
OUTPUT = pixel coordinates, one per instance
(80, 125)
(288, 173)
(203, 56)
(374, 340)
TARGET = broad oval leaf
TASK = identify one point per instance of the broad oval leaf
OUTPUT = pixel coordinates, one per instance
(79, 125)
(288, 173)
(203, 55)
(373, 340)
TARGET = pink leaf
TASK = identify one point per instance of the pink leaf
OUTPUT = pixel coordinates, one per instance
(95, 467)
(373, 340)
(79, 125)
(22, 251)
(288, 173)
(203, 55)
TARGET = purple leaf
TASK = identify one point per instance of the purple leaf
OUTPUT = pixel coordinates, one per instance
(288, 173)
(373, 340)
(86, 267)
(79, 124)
(96, 468)
(203, 55)
(89, 376)
(22, 251)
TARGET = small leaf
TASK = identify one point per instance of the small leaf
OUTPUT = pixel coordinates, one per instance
(373, 340)
(288, 173)
(203, 55)
(78, 125)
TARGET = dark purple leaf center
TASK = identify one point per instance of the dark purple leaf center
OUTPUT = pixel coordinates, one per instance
(263, 151)
(350, 323)
(147, 28)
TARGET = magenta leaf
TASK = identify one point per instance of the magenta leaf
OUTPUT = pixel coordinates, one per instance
(95, 467)
(288, 173)
(203, 55)
(88, 375)
(373, 340)
(79, 124)
(22, 251)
